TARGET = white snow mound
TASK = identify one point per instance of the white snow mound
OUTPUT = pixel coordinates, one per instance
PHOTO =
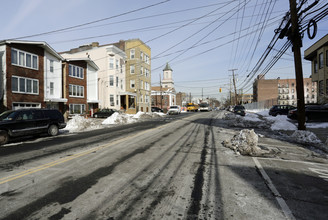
(79, 123)
(119, 118)
(280, 123)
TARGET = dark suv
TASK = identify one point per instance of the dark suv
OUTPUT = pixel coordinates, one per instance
(23, 122)
(280, 109)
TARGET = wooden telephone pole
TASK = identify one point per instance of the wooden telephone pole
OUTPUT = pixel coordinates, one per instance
(234, 85)
(296, 40)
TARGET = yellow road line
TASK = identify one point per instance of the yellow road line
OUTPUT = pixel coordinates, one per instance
(71, 157)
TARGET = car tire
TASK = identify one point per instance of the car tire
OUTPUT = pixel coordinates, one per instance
(53, 130)
(4, 137)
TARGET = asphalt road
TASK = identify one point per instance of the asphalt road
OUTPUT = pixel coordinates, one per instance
(170, 168)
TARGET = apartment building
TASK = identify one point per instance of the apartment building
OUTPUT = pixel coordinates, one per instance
(111, 74)
(138, 74)
(30, 76)
(282, 91)
(80, 86)
(318, 55)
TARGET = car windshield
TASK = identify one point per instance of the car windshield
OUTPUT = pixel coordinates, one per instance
(173, 106)
(8, 116)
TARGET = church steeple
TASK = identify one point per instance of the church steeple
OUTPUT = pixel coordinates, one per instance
(167, 77)
(167, 67)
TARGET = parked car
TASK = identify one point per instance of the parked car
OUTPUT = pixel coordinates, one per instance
(239, 110)
(25, 122)
(312, 113)
(156, 109)
(104, 113)
(280, 109)
(174, 109)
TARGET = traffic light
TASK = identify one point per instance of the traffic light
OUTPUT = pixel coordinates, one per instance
(220, 89)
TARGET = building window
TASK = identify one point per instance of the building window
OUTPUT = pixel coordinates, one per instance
(75, 71)
(116, 64)
(111, 100)
(321, 87)
(76, 108)
(111, 80)
(141, 98)
(146, 98)
(320, 60)
(51, 66)
(327, 87)
(132, 84)
(117, 98)
(24, 59)
(117, 81)
(121, 83)
(76, 91)
(132, 54)
(111, 63)
(131, 69)
(141, 55)
(141, 84)
(24, 85)
(315, 65)
(52, 88)
(141, 71)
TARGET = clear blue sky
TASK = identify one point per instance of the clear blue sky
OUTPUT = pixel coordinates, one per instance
(202, 40)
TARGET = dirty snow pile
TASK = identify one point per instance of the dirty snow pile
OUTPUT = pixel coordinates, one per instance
(305, 137)
(245, 143)
(79, 123)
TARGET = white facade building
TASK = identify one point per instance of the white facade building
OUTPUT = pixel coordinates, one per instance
(111, 73)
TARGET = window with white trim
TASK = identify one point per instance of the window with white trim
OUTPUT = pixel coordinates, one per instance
(132, 54)
(141, 55)
(132, 69)
(52, 87)
(141, 71)
(121, 83)
(117, 81)
(111, 63)
(24, 85)
(111, 100)
(51, 65)
(141, 98)
(24, 59)
(75, 71)
(76, 91)
(116, 64)
(111, 80)
(117, 98)
(146, 98)
(77, 108)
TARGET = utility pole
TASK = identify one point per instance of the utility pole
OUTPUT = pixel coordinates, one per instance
(160, 87)
(296, 40)
(234, 85)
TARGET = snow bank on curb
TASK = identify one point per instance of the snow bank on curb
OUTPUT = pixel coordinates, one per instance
(244, 143)
(79, 123)
(306, 137)
(119, 118)
(280, 122)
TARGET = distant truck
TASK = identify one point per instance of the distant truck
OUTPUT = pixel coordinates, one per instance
(192, 107)
(204, 107)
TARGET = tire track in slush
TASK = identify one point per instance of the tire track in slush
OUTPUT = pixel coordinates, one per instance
(197, 192)
(129, 209)
(70, 190)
